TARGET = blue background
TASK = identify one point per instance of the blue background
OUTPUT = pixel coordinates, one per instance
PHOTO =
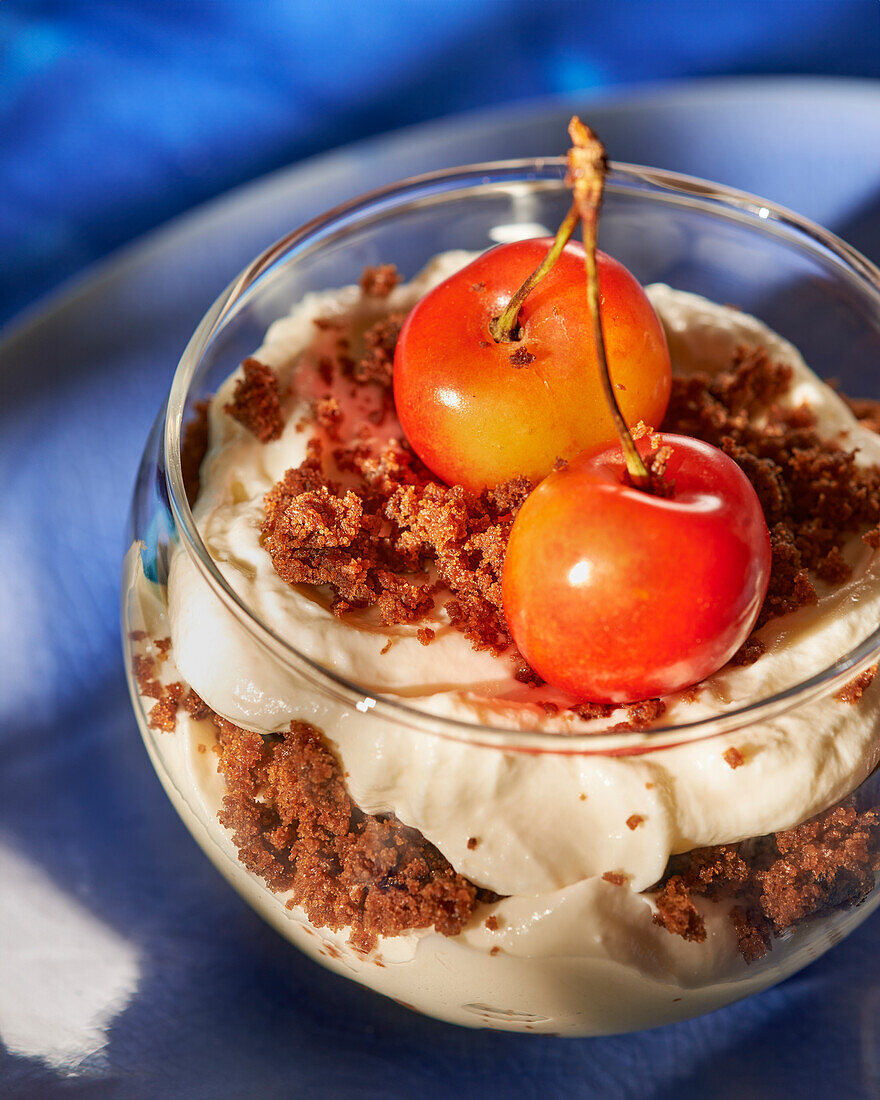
(115, 117)
(117, 114)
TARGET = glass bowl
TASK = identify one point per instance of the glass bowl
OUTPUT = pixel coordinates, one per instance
(540, 854)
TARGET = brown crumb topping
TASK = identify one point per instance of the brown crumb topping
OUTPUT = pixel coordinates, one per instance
(163, 714)
(677, 913)
(657, 462)
(749, 652)
(296, 827)
(588, 712)
(639, 716)
(373, 544)
(777, 881)
(752, 934)
(522, 357)
(193, 448)
(328, 415)
(853, 691)
(491, 923)
(195, 706)
(377, 363)
(380, 552)
(733, 757)
(379, 281)
(256, 402)
(144, 671)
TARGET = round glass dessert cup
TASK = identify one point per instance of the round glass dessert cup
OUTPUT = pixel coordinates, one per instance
(560, 939)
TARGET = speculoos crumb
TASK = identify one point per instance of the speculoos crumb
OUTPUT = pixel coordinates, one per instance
(521, 357)
(256, 402)
(749, 652)
(327, 413)
(373, 543)
(379, 281)
(296, 827)
(852, 692)
(781, 880)
(377, 363)
(144, 670)
(812, 492)
(677, 913)
(733, 757)
(163, 715)
(193, 448)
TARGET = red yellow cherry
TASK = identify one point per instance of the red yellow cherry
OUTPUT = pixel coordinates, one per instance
(617, 595)
(479, 411)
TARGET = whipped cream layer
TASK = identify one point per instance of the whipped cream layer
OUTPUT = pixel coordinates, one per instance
(587, 959)
(542, 823)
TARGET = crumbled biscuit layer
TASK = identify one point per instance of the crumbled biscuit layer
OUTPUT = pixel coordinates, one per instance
(256, 401)
(295, 825)
(777, 881)
(373, 543)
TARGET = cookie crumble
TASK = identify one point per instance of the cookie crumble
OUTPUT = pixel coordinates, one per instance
(781, 880)
(296, 827)
(379, 281)
(733, 757)
(852, 692)
(256, 401)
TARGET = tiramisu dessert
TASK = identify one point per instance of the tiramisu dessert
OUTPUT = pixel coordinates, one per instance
(498, 517)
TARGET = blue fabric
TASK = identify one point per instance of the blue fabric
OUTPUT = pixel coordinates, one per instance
(116, 115)
(221, 1006)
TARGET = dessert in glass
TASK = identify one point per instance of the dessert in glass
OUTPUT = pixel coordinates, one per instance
(332, 694)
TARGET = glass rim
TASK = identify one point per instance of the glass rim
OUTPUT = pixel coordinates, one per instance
(547, 173)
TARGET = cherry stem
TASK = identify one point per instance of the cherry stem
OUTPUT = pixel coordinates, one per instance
(587, 166)
(504, 329)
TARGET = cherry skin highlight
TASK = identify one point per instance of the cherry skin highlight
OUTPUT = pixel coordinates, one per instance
(617, 595)
(479, 412)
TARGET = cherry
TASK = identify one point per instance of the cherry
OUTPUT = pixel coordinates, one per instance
(478, 410)
(616, 595)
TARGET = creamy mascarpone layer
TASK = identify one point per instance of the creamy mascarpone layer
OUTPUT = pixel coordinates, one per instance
(543, 822)
(583, 960)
